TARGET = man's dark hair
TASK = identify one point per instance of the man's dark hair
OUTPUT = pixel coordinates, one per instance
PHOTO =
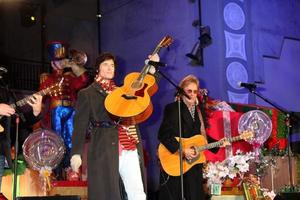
(103, 57)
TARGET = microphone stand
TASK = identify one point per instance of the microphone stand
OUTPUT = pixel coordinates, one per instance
(179, 92)
(288, 118)
(18, 115)
(16, 158)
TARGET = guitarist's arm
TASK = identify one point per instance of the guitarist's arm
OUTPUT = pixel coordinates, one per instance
(31, 117)
(166, 134)
(153, 69)
(81, 121)
(34, 115)
(6, 110)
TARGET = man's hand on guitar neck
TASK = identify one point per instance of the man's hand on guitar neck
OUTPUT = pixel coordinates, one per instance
(224, 142)
(35, 101)
(154, 57)
(6, 110)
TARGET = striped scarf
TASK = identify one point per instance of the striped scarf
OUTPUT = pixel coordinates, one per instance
(127, 134)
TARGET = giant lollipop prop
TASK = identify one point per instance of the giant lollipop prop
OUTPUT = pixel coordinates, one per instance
(260, 124)
(43, 151)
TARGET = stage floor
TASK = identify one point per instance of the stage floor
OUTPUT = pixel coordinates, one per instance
(29, 184)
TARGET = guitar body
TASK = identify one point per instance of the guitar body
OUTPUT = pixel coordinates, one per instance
(132, 102)
(171, 162)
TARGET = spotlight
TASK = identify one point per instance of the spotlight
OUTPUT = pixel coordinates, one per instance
(32, 18)
(196, 54)
(204, 40)
(27, 14)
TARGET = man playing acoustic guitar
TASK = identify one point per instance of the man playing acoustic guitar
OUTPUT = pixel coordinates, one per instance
(193, 124)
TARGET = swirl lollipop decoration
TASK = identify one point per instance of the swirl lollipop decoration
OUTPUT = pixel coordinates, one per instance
(259, 123)
(43, 150)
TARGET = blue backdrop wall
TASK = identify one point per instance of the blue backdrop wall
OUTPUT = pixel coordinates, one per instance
(252, 41)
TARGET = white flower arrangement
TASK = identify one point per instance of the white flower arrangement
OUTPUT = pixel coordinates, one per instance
(217, 172)
(269, 195)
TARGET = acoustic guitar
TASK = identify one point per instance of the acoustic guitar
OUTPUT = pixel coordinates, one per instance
(131, 103)
(171, 162)
(53, 88)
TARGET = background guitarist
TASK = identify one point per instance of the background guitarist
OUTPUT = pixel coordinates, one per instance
(31, 117)
(193, 123)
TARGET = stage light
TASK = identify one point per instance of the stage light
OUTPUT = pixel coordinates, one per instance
(196, 54)
(32, 18)
(204, 40)
(28, 14)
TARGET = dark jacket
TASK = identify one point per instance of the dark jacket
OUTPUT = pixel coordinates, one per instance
(169, 129)
(9, 132)
(103, 153)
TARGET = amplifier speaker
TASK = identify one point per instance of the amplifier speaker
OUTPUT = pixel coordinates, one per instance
(58, 197)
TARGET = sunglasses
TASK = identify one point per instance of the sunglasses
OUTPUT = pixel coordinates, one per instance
(191, 91)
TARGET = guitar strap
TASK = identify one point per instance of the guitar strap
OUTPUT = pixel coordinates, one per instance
(202, 127)
(227, 132)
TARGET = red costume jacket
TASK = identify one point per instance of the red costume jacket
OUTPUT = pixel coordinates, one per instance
(67, 93)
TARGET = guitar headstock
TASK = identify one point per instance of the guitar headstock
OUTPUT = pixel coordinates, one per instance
(247, 135)
(166, 41)
(56, 88)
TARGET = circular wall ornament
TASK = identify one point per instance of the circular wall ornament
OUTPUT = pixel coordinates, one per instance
(234, 16)
(235, 73)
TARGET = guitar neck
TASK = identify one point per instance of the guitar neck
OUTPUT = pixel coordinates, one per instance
(24, 101)
(218, 143)
(146, 66)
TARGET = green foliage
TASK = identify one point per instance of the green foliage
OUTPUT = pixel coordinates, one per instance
(20, 168)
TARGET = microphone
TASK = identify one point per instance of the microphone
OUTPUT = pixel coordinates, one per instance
(247, 85)
(155, 64)
(3, 70)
